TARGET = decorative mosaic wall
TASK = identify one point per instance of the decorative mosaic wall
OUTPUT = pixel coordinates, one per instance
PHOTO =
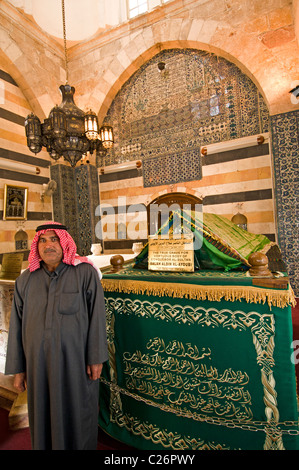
(87, 198)
(197, 99)
(64, 206)
(285, 145)
(75, 201)
(174, 166)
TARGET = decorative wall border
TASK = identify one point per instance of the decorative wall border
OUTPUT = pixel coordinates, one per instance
(285, 147)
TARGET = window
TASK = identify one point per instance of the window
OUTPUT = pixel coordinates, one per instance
(137, 7)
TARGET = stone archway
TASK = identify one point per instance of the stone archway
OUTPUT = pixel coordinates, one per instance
(263, 46)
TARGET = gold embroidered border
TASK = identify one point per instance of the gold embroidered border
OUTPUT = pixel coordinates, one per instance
(262, 327)
(250, 294)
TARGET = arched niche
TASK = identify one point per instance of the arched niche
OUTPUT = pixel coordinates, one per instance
(162, 207)
(21, 240)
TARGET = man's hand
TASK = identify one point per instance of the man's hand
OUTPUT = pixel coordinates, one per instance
(94, 371)
(20, 382)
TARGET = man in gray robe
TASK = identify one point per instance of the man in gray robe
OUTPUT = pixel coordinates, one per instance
(57, 342)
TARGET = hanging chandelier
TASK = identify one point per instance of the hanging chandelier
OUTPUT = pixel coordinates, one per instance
(68, 132)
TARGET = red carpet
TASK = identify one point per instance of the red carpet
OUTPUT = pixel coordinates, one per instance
(12, 440)
(20, 440)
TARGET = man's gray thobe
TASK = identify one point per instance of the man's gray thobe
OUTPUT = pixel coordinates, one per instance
(57, 328)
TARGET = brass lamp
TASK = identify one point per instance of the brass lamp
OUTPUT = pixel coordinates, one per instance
(68, 131)
(91, 125)
(107, 136)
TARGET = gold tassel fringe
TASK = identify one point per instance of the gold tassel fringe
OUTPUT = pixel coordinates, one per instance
(276, 298)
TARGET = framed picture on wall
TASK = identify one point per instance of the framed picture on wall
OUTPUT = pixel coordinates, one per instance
(15, 202)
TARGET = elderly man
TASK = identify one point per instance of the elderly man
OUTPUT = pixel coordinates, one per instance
(57, 342)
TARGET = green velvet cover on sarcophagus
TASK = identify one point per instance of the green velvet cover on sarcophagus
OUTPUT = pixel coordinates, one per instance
(218, 242)
(198, 361)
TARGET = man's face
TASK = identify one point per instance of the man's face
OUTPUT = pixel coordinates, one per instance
(50, 250)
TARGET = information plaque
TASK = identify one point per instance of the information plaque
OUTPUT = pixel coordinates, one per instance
(11, 266)
(171, 254)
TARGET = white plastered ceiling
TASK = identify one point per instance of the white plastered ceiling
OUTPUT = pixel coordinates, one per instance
(84, 18)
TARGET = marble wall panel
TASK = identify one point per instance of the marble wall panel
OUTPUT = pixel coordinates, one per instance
(14, 108)
(6, 296)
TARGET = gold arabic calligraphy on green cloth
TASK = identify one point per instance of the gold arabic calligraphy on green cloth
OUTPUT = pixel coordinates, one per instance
(189, 375)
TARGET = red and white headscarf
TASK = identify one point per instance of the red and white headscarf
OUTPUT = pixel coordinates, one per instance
(67, 243)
